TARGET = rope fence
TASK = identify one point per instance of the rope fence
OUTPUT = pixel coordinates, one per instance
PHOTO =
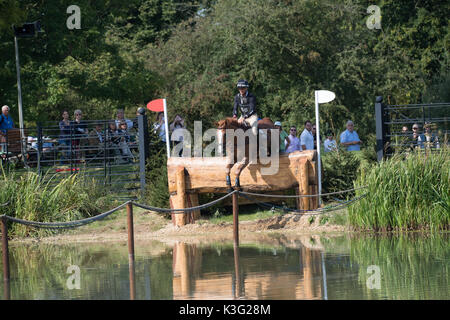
(247, 195)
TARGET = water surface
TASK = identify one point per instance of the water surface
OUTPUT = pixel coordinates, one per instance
(311, 267)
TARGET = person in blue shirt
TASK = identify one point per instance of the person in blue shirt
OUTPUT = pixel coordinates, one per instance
(350, 139)
(6, 123)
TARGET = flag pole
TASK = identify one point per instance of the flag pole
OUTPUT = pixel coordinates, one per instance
(166, 123)
(319, 172)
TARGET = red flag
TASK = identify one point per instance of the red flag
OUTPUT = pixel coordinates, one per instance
(156, 105)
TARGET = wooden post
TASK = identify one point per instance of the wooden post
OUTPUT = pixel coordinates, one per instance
(131, 249)
(5, 256)
(235, 218)
(180, 199)
(303, 184)
(194, 203)
(238, 287)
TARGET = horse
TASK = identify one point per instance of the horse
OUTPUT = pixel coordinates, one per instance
(232, 123)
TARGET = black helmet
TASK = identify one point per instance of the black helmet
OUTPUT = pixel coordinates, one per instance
(242, 84)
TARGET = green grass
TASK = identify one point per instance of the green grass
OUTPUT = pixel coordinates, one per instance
(36, 198)
(404, 194)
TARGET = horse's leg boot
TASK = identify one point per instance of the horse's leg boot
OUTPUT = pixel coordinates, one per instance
(229, 189)
(237, 185)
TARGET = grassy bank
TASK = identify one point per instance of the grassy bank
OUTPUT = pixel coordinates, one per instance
(30, 198)
(404, 194)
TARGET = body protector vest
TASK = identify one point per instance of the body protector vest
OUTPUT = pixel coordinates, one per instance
(247, 105)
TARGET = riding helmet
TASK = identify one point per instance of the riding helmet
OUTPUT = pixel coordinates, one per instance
(242, 84)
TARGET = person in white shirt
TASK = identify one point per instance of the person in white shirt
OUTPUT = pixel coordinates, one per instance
(293, 144)
(330, 143)
(306, 138)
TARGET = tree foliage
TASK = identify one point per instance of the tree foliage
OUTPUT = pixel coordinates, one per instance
(192, 52)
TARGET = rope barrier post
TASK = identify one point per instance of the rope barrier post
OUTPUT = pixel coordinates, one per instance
(131, 249)
(5, 256)
(238, 286)
(235, 218)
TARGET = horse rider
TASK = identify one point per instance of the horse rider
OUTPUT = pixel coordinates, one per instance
(247, 104)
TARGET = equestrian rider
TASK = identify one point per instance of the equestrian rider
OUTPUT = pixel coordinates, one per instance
(247, 104)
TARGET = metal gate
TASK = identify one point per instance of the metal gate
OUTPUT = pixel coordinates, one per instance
(108, 151)
(408, 127)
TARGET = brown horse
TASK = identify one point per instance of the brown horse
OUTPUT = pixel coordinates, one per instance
(232, 146)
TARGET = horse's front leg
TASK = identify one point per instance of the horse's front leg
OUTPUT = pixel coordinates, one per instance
(228, 178)
(239, 167)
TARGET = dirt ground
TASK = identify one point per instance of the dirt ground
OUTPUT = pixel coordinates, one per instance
(151, 226)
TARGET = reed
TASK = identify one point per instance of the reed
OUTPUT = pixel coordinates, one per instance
(411, 193)
(30, 198)
(412, 265)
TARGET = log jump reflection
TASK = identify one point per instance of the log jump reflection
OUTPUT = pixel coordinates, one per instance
(199, 273)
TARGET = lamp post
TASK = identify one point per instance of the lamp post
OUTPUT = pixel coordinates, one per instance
(27, 30)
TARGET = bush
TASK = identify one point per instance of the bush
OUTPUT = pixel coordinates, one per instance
(157, 189)
(339, 171)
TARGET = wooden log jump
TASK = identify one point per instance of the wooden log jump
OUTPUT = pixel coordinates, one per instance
(187, 177)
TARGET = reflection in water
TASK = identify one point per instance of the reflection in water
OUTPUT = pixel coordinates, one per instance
(410, 266)
(261, 277)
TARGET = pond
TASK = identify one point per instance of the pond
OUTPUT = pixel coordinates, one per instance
(339, 267)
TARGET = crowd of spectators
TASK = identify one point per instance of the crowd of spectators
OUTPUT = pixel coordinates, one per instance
(77, 143)
(307, 140)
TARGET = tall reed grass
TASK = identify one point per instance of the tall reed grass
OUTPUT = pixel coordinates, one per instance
(409, 193)
(72, 198)
(412, 265)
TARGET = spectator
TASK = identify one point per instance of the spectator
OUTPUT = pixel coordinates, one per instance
(350, 138)
(64, 136)
(428, 139)
(120, 117)
(329, 143)
(306, 138)
(79, 130)
(112, 140)
(178, 123)
(96, 140)
(402, 143)
(284, 137)
(313, 132)
(96, 136)
(417, 139)
(292, 142)
(159, 127)
(124, 140)
(6, 123)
